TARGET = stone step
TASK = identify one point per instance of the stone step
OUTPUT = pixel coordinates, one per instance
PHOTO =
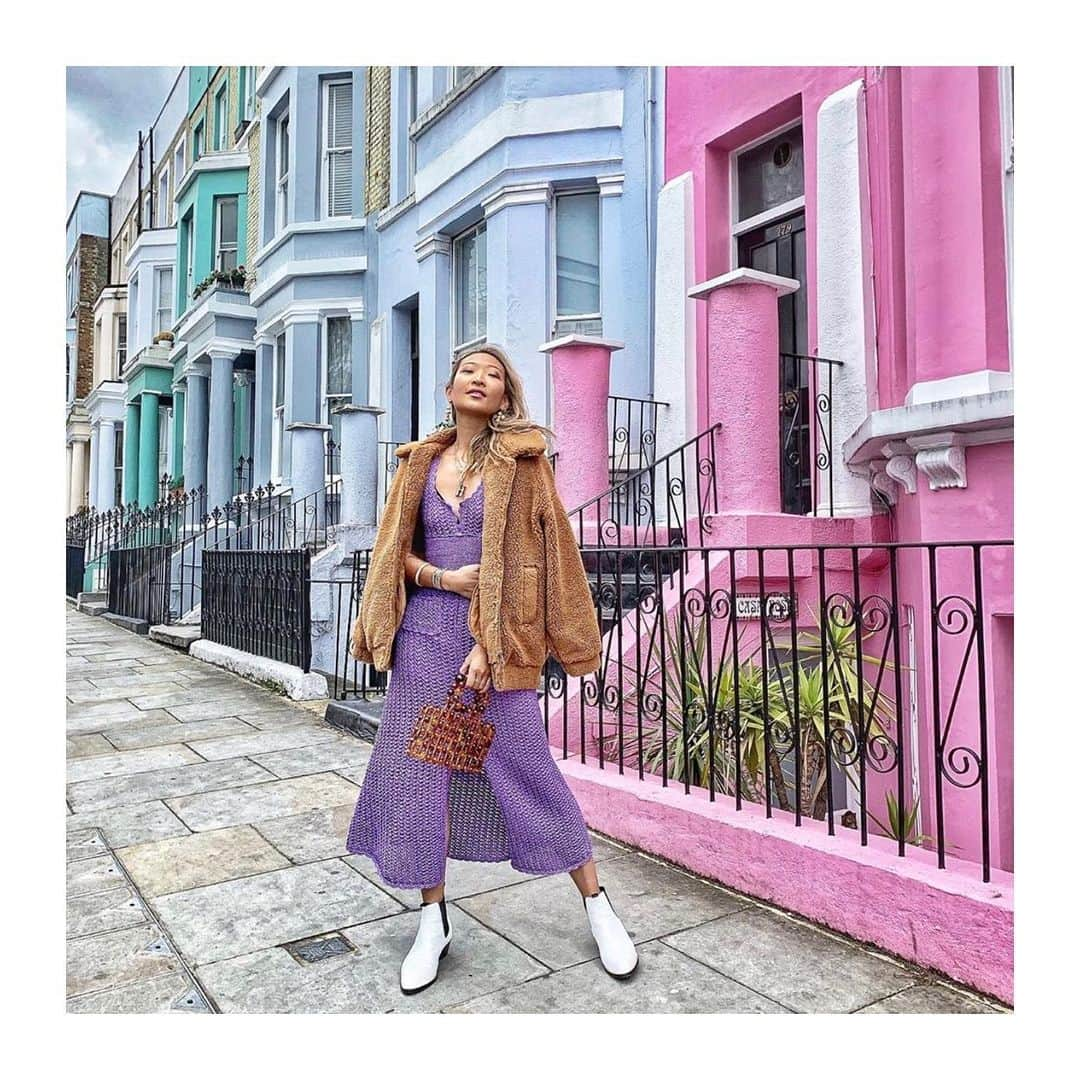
(125, 622)
(179, 637)
(98, 608)
(86, 600)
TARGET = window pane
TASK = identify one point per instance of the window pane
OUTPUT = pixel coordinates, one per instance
(279, 372)
(283, 147)
(340, 181)
(577, 254)
(466, 285)
(481, 283)
(771, 174)
(339, 118)
(339, 356)
(227, 209)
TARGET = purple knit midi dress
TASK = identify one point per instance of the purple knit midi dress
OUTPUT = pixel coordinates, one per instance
(520, 807)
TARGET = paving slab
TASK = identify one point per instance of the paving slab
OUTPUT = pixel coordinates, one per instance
(183, 698)
(164, 784)
(665, 982)
(87, 745)
(931, 998)
(186, 862)
(330, 755)
(259, 802)
(93, 875)
(83, 843)
(99, 710)
(253, 742)
(131, 824)
(118, 958)
(130, 762)
(791, 962)
(546, 917)
(214, 706)
(215, 922)
(137, 735)
(166, 993)
(101, 911)
(86, 725)
(312, 836)
(367, 978)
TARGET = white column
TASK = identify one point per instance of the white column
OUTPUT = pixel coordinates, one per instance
(106, 465)
(844, 295)
(95, 437)
(77, 492)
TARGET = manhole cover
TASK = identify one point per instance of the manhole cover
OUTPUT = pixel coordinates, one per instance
(311, 952)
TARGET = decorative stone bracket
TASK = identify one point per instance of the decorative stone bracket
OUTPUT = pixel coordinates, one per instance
(940, 457)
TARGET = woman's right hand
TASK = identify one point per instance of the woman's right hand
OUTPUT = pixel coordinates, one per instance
(462, 580)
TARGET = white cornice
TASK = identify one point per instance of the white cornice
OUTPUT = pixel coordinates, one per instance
(210, 162)
(165, 237)
(435, 244)
(744, 276)
(969, 384)
(299, 228)
(448, 101)
(611, 184)
(308, 311)
(354, 264)
(583, 340)
(206, 308)
(392, 213)
(265, 78)
(535, 191)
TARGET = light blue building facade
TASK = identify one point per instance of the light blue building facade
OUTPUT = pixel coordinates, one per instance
(310, 262)
(521, 211)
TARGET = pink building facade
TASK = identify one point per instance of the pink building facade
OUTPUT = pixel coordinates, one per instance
(833, 282)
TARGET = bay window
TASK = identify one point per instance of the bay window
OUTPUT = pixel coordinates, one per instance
(337, 375)
(577, 263)
(226, 233)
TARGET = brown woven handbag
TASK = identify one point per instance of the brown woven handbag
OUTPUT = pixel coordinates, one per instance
(454, 733)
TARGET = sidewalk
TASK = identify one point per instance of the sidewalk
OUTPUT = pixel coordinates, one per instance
(206, 871)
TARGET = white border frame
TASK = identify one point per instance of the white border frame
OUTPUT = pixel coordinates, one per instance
(277, 412)
(221, 131)
(281, 201)
(164, 205)
(324, 349)
(179, 160)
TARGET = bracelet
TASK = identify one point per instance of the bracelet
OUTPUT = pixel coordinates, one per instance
(416, 576)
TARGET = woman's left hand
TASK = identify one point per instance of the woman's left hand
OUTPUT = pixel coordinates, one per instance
(476, 669)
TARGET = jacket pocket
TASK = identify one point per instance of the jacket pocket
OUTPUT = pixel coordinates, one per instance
(530, 592)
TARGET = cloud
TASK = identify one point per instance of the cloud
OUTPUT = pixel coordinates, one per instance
(106, 108)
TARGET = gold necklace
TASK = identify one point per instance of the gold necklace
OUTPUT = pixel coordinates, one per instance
(462, 468)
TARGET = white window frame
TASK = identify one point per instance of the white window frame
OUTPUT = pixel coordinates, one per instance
(219, 246)
(327, 151)
(164, 209)
(118, 462)
(147, 219)
(324, 378)
(412, 87)
(159, 273)
(1006, 79)
(556, 319)
(120, 356)
(164, 415)
(180, 161)
(71, 290)
(277, 427)
(221, 117)
(281, 182)
(198, 140)
(757, 221)
(189, 269)
(247, 105)
(480, 226)
(456, 78)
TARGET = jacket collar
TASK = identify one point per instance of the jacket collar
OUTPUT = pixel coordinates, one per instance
(515, 443)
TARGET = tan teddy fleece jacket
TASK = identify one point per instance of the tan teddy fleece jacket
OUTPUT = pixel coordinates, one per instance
(533, 596)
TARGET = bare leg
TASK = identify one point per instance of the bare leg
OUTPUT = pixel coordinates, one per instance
(585, 878)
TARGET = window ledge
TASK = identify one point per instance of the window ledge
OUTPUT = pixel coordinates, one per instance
(448, 101)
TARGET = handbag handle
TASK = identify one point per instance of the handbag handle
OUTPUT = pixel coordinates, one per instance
(481, 698)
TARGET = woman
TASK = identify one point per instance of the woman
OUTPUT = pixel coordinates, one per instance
(500, 583)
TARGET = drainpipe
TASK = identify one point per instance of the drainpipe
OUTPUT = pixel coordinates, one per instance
(649, 268)
(138, 194)
(151, 154)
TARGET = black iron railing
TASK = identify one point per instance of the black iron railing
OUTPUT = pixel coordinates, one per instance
(859, 685)
(806, 434)
(390, 464)
(243, 476)
(349, 678)
(259, 602)
(663, 504)
(75, 567)
(632, 423)
(138, 582)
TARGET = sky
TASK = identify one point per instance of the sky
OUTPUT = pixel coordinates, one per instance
(106, 108)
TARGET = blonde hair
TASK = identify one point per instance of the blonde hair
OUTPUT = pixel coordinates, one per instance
(513, 419)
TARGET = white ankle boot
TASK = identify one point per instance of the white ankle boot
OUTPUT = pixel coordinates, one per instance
(617, 951)
(420, 967)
